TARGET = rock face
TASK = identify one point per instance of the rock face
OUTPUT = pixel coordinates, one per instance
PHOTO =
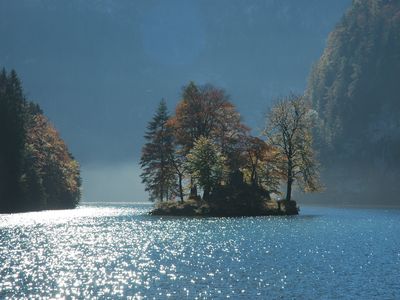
(355, 90)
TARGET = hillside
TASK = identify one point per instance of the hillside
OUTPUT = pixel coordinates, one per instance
(37, 171)
(355, 88)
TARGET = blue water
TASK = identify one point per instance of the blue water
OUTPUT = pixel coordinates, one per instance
(114, 251)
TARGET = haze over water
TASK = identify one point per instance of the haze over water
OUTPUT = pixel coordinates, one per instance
(118, 250)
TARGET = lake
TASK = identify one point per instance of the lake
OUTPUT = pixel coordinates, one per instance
(116, 250)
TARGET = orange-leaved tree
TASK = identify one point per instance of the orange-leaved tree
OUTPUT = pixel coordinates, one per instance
(51, 171)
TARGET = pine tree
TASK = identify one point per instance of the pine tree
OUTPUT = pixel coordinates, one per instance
(158, 171)
(12, 137)
(36, 169)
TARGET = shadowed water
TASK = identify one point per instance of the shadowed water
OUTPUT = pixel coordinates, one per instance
(114, 251)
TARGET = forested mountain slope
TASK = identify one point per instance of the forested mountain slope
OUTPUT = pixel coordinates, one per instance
(355, 88)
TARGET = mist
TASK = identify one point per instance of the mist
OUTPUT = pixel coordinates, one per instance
(199, 149)
(98, 69)
(112, 183)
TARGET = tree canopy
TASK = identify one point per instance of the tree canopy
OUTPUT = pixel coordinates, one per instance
(205, 146)
(289, 129)
(157, 157)
(36, 169)
(206, 164)
(354, 88)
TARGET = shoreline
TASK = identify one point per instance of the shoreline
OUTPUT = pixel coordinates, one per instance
(193, 208)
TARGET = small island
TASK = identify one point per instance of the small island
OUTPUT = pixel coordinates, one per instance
(203, 161)
(234, 200)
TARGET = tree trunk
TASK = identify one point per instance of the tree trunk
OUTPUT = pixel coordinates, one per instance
(193, 192)
(289, 190)
(206, 194)
(289, 181)
(253, 177)
(180, 187)
(193, 189)
(162, 180)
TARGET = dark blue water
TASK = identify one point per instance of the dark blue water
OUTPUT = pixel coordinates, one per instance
(116, 251)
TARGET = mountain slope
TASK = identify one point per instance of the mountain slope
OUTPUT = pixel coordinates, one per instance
(355, 88)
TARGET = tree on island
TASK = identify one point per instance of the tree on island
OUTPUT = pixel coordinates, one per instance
(288, 129)
(36, 169)
(177, 159)
(205, 145)
(260, 164)
(205, 111)
(206, 165)
(157, 157)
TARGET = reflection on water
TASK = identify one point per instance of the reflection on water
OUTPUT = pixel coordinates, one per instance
(117, 251)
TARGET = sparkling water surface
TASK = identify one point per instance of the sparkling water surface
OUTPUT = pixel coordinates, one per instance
(115, 251)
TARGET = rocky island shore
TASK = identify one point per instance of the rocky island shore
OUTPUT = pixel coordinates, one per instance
(198, 207)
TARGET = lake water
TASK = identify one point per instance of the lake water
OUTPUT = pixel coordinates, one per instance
(115, 251)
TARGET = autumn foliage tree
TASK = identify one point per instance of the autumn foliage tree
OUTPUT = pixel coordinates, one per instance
(36, 169)
(177, 159)
(198, 146)
(51, 168)
(260, 164)
(289, 130)
(205, 111)
(205, 145)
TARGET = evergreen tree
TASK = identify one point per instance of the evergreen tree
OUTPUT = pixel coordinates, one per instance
(158, 171)
(12, 137)
(354, 86)
(355, 89)
(36, 169)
